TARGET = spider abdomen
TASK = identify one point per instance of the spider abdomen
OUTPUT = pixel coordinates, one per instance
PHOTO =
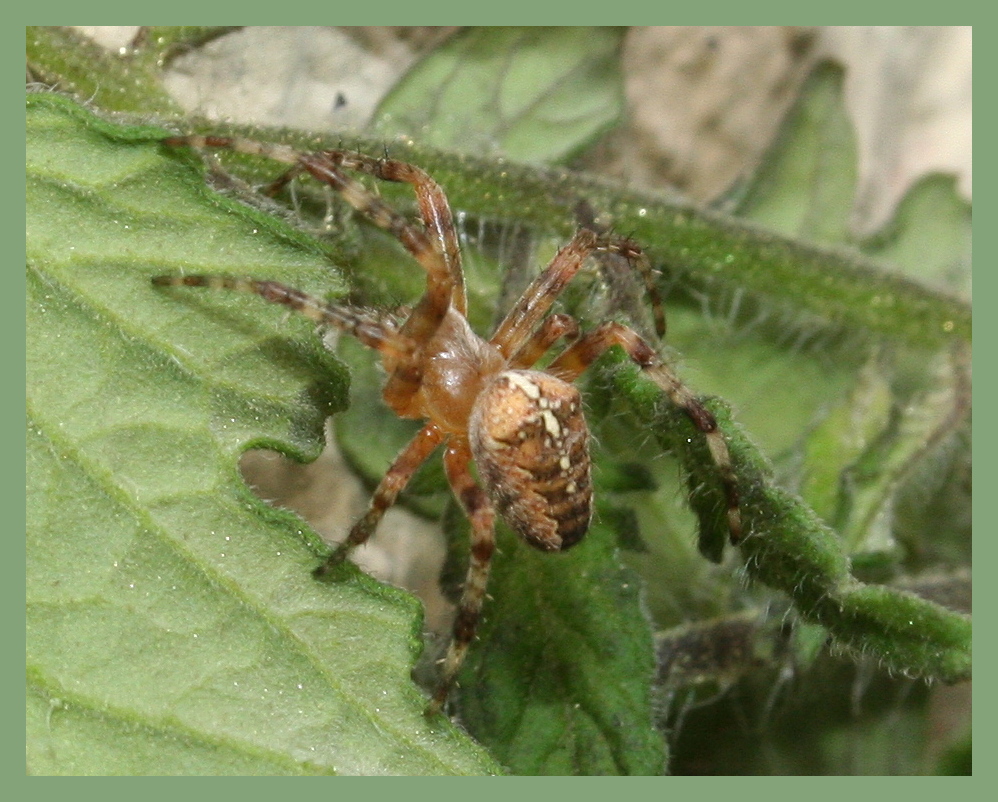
(531, 445)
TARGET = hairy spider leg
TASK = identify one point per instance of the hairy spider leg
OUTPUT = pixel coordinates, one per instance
(523, 319)
(434, 209)
(518, 331)
(274, 187)
(578, 356)
(480, 512)
(405, 377)
(371, 331)
(552, 329)
(519, 325)
(636, 257)
(415, 453)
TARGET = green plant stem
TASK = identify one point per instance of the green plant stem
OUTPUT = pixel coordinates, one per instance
(788, 548)
(836, 288)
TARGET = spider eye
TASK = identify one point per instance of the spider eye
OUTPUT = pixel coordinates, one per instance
(531, 446)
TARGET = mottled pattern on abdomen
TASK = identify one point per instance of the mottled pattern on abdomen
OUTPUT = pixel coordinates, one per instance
(531, 446)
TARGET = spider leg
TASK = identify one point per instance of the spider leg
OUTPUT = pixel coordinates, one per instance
(525, 316)
(570, 364)
(392, 483)
(587, 217)
(550, 331)
(441, 275)
(481, 513)
(640, 258)
(439, 280)
(371, 331)
(435, 211)
(279, 183)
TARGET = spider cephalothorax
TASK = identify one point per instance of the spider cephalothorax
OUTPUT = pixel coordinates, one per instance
(523, 428)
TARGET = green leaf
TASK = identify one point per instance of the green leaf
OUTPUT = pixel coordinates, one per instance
(173, 625)
(849, 427)
(871, 436)
(806, 185)
(930, 236)
(806, 188)
(531, 94)
(788, 548)
(561, 681)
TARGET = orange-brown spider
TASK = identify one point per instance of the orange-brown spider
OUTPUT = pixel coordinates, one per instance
(523, 428)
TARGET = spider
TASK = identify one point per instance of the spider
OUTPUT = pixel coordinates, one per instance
(522, 428)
